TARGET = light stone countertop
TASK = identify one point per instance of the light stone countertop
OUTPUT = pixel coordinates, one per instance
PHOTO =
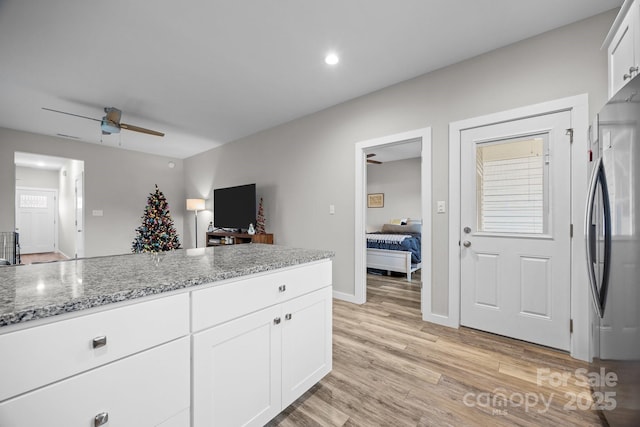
(39, 291)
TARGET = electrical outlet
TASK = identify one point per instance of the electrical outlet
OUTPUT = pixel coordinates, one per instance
(442, 207)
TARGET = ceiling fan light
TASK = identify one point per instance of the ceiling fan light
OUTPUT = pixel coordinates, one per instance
(108, 127)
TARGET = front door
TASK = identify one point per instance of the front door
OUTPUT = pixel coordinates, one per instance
(36, 220)
(515, 229)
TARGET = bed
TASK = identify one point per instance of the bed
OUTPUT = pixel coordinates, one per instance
(395, 248)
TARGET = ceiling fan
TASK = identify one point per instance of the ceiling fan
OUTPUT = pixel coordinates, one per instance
(369, 160)
(111, 122)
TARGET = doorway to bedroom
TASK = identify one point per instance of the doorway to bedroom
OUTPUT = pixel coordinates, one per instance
(393, 211)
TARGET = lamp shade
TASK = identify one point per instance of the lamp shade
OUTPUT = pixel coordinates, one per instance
(195, 204)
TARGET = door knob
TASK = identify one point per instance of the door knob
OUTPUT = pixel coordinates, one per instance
(466, 243)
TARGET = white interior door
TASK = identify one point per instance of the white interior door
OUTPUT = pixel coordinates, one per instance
(36, 220)
(79, 205)
(515, 229)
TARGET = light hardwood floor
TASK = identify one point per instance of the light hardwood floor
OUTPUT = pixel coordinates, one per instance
(392, 369)
(42, 257)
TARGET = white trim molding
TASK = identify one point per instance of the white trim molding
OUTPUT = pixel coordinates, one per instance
(580, 306)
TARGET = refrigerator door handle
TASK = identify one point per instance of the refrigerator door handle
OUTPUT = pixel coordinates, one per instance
(598, 178)
(590, 236)
(606, 207)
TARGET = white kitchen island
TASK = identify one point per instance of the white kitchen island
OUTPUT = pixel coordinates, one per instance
(225, 336)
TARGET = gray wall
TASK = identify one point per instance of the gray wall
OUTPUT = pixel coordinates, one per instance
(400, 183)
(303, 166)
(117, 181)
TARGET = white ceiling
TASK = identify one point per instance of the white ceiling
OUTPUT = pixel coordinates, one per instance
(398, 151)
(207, 72)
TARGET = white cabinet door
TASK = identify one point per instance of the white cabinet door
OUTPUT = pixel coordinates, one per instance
(146, 389)
(306, 343)
(624, 51)
(236, 371)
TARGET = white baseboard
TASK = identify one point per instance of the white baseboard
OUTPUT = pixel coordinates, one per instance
(439, 319)
(345, 297)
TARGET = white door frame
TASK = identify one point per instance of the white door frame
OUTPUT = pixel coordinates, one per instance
(580, 308)
(79, 234)
(360, 256)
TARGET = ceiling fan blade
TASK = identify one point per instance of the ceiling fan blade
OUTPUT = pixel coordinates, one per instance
(71, 114)
(139, 129)
(375, 162)
(370, 155)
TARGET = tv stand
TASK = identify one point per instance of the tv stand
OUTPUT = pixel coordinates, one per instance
(221, 238)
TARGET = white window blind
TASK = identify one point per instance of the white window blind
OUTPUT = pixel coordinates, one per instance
(510, 191)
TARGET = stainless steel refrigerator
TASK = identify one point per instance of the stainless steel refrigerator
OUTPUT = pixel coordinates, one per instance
(612, 229)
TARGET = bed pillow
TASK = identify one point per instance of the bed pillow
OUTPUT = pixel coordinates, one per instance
(398, 221)
(394, 228)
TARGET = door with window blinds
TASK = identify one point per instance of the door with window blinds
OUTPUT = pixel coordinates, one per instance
(515, 219)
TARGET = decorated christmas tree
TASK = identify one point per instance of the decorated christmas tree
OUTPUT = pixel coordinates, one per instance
(260, 219)
(157, 233)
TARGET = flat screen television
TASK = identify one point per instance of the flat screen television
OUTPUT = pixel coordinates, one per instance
(234, 207)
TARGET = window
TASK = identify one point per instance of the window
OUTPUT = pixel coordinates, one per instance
(31, 201)
(512, 186)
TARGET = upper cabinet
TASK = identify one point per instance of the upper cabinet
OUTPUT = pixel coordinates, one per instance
(623, 46)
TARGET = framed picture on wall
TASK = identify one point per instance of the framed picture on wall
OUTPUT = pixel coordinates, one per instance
(375, 200)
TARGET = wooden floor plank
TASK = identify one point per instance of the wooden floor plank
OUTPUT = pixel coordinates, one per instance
(390, 368)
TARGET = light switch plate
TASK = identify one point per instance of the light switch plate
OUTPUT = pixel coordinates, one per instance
(332, 209)
(97, 212)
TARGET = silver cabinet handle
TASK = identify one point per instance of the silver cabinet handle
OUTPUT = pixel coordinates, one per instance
(282, 288)
(101, 419)
(287, 316)
(276, 321)
(630, 75)
(466, 243)
(99, 341)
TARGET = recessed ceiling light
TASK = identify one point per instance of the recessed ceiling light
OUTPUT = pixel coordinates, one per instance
(332, 59)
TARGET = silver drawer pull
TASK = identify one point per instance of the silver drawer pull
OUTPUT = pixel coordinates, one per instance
(99, 342)
(287, 316)
(282, 288)
(101, 419)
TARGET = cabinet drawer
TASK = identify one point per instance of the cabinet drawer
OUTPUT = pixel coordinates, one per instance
(221, 303)
(41, 355)
(148, 389)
